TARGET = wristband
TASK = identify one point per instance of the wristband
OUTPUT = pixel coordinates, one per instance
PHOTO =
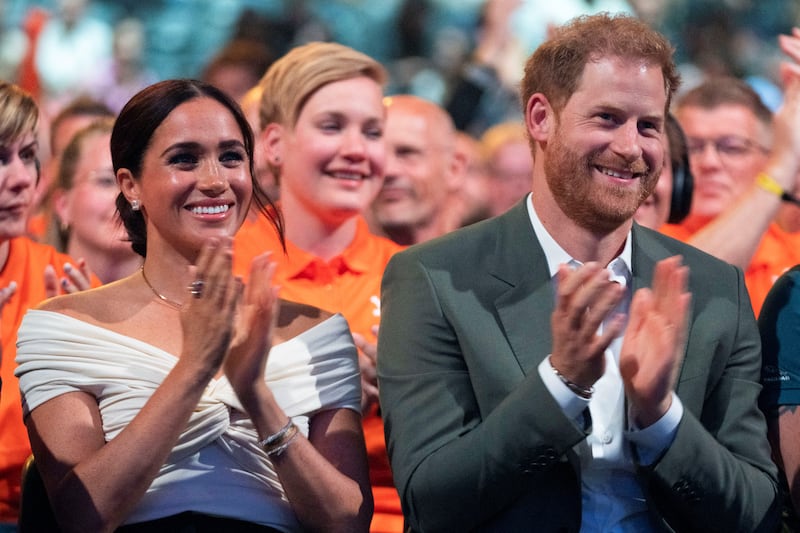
(768, 183)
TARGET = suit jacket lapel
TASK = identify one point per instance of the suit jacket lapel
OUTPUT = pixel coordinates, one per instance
(525, 307)
(646, 252)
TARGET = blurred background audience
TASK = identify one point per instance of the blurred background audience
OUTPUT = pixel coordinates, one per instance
(509, 164)
(70, 118)
(429, 46)
(85, 220)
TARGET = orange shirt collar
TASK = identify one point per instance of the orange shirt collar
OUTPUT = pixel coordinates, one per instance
(357, 257)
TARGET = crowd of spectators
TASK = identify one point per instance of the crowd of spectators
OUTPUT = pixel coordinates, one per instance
(423, 43)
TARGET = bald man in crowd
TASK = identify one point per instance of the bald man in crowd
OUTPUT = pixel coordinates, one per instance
(423, 168)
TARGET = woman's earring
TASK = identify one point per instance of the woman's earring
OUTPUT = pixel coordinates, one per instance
(135, 205)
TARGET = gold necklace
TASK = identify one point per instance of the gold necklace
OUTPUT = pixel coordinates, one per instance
(160, 296)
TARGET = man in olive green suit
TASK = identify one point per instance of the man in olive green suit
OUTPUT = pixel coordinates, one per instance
(560, 368)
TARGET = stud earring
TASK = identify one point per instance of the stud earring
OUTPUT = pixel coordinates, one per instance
(135, 205)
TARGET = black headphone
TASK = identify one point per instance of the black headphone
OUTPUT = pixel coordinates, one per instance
(682, 179)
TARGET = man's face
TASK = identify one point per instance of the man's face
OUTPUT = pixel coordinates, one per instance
(419, 154)
(726, 150)
(606, 152)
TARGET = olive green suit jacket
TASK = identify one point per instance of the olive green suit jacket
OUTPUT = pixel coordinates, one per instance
(477, 442)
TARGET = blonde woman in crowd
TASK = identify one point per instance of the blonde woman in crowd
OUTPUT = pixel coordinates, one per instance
(322, 120)
(29, 273)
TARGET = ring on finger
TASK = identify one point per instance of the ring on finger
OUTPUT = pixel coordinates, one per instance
(196, 288)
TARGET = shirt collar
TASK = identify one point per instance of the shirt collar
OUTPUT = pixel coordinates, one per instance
(357, 257)
(620, 267)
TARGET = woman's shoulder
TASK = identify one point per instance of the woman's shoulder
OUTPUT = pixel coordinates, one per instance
(295, 318)
(99, 305)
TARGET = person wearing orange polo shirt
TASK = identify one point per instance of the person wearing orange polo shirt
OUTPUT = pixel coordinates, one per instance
(321, 129)
(743, 161)
(29, 273)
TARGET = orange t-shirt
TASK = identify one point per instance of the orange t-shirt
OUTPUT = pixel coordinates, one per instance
(777, 252)
(37, 227)
(25, 265)
(676, 231)
(349, 284)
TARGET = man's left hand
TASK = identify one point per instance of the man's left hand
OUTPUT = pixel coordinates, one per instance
(653, 347)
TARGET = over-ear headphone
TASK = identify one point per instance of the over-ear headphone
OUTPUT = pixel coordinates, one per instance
(682, 179)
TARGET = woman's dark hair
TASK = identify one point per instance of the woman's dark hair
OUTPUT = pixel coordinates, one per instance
(135, 126)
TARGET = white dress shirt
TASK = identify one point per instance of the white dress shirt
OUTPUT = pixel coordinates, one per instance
(612, 496)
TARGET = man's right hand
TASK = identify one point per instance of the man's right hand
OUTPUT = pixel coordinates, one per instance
(585, 297)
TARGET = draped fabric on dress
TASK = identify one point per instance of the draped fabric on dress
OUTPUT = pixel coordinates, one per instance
(56, 354)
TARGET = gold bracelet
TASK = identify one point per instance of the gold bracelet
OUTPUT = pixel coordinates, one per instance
(768, 183)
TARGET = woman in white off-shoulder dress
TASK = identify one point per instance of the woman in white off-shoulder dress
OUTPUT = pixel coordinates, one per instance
(177, 396)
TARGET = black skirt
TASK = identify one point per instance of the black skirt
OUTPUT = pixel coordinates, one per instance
(192, 522)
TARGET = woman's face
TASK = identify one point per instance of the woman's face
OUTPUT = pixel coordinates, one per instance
(333, 157)
(89, 206)
(195, 179)
(17, 184)
(654, 211)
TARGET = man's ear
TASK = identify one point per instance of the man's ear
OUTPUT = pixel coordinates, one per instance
(457, 171)
(539, 117)
(127, 185)
(272, 142)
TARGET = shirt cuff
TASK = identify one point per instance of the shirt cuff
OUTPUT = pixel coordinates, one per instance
(572, 404)
(652, 441)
